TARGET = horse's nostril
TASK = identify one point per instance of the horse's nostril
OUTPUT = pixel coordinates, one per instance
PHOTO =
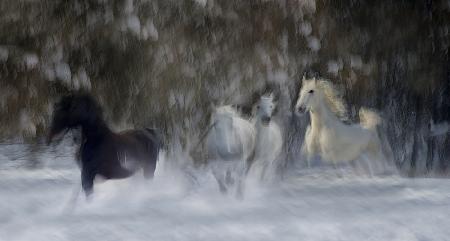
(266, 119)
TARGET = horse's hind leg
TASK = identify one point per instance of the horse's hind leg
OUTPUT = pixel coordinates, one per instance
(149, 170)
(369, 164)
(376, 155)
(149, 166)
(220, 179)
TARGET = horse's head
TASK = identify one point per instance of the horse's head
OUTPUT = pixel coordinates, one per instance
(222, 117)
(72, 111)
(265, 108)
(308, 96)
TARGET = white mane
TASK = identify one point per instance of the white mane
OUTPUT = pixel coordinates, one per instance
(227, 109)
(333, 98)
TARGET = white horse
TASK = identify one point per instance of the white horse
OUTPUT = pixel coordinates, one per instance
(329, 138)
(230, 143)
(268, 141)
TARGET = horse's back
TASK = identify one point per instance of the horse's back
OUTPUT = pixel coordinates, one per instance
(140, 144)
(147, 137)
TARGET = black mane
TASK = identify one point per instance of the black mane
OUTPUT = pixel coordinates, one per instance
(84, 103)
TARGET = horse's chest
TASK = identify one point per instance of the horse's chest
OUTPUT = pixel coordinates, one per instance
(227, 146)
(268, 143)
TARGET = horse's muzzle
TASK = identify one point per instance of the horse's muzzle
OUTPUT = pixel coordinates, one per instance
(265, 120)
(301, 110)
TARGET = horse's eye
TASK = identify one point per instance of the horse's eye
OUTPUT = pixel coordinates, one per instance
(257, 107)
(271, 106)
(311, 91)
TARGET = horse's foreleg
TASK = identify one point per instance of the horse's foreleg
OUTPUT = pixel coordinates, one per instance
(305, 154)
(87, 180)
(338, 168)
(73, 198)
(240, 182)
(218, 176)
(223, 189)
(240, 186)
(240, 189)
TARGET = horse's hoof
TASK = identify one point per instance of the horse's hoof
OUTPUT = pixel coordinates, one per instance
(228, 179)
(223, 190)
(89, 195)
(240, 195)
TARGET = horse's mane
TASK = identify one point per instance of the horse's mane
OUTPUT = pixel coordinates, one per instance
(84, 103)
(227, 109)
(333, 98)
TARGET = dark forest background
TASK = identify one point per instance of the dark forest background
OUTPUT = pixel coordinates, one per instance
(161, 63)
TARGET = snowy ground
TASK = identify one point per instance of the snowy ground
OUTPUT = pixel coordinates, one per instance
(34, 206)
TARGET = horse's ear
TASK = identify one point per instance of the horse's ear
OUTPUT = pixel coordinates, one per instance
(315, 80)
(303, 79)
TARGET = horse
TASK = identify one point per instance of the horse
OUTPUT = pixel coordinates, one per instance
(269, 141)
(230, 144)
(103, 152)
(328, 137)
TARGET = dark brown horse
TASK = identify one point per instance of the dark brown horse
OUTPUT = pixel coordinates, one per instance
(103, 152)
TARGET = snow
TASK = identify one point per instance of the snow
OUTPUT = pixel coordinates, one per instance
(149, 31)
(356, 62)
(305, 28)
(48, 71)
(133, 24)
(81, 80)
(202, 3)
(63, 73)
(314, 44)
(128, 7)
(26, 124)
(314, 205)
(437, 129)
(31, 60)
(334, 67)
(4, 54)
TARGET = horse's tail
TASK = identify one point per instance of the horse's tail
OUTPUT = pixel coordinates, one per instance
(369, 119)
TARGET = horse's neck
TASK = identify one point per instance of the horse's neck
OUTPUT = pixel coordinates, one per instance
(95, 129)
(258, 123)
(322, 117)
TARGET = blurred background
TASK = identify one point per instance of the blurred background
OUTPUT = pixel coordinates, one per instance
(162, 63)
